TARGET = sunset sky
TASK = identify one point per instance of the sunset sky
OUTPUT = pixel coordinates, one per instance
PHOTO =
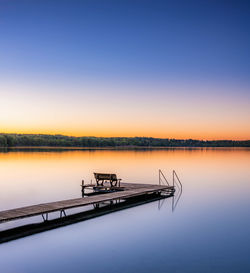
(170, 69)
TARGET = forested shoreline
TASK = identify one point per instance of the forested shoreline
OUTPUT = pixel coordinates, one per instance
(21, 140)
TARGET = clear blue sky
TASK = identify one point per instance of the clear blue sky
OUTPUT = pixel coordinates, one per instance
(133, 42)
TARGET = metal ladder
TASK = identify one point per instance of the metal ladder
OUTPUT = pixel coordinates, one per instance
(176, 184)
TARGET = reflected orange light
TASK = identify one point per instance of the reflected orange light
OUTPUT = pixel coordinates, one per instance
(35, 177)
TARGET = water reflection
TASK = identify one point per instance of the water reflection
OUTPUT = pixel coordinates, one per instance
(208, 231)
(33, 225)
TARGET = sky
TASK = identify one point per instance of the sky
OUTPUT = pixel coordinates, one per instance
(169, 69)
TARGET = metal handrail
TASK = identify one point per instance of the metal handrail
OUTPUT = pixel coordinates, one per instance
(161, 174)
(174, 181)
(176, 199)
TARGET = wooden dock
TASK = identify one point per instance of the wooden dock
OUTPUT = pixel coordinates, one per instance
(129, 190)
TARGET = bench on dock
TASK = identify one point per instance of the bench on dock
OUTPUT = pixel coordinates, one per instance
(108, 177)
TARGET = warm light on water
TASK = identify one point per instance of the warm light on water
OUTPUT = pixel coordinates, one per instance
(207, 232)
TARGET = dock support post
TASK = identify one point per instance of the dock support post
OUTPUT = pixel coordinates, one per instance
(83, 188)
(45, 216)
(62, 212)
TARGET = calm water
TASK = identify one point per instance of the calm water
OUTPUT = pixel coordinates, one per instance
(207, 232)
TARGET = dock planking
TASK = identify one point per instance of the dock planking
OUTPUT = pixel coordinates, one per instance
(130, 190)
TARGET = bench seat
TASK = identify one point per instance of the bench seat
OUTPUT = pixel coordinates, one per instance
(107, 177)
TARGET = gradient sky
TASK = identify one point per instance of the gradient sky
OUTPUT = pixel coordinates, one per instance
(126, 68)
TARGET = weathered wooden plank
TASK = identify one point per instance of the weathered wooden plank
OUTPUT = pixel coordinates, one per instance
(130, 190)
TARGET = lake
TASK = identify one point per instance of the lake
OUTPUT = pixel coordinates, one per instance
(208, 231)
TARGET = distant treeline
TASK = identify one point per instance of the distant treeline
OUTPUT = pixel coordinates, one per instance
(14, 140)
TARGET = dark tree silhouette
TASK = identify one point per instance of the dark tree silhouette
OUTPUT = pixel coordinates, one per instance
(20, 140)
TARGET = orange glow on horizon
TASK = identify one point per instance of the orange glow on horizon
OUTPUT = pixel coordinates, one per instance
(173, 135)
(103, 112)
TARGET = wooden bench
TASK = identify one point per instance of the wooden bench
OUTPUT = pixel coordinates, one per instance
(107, 177)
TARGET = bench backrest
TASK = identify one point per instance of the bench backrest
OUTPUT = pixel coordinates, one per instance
(105, 176)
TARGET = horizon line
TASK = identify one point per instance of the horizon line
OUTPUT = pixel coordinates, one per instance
(65, 135)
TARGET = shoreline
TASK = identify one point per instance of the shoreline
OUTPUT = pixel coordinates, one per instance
(120, 147)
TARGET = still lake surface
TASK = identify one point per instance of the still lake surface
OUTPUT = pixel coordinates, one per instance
(209, 230)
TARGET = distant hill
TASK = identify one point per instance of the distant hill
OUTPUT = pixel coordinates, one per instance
(15, 140)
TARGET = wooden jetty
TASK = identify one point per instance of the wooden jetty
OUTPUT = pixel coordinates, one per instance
(126, 191)
(107, 195)
(13, 233)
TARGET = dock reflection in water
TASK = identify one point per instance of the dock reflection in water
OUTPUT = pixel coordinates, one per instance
(114, 198)
(208, 231)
